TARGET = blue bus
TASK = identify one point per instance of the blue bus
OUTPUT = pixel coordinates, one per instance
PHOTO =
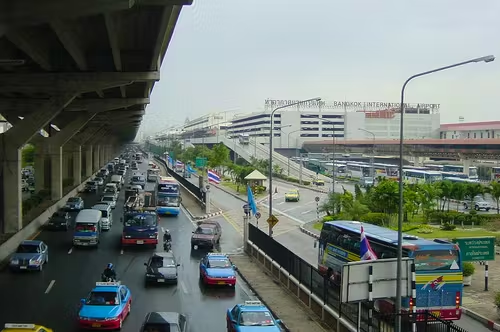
(168, 196)
(437, 263)
(140, 227)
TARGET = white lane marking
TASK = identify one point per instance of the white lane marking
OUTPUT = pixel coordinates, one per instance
(163, 230)
(280, 203)
(121, 252)
(70, 251)
(50, 286)
(183, 287)
(287, 215)
(306, 212)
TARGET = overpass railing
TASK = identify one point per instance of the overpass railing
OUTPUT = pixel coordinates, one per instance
(323, 296)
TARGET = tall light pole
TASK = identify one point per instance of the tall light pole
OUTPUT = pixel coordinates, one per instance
(288, 137)
(486, 59)
(372, 170)
(280, 129)
(271, 136)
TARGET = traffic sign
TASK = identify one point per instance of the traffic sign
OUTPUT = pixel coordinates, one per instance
(272, 220)
(258, 215)
(317, 199)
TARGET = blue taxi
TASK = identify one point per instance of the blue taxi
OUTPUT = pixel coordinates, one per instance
(217, 269)
(106, 307)
(251, 316)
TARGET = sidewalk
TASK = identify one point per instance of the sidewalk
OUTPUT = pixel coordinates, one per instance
(294, 315)
(476, 302)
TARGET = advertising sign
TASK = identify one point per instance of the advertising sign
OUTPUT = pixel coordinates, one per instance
(168, 188)
(473, 249)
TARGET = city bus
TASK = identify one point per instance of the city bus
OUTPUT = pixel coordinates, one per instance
(495, 173)
(168, 196)
(356, 170)
(138, 157)
(439, 278)
(431, 167)
(412, 176)
(454, 175)
(386, 170)
(140, 221)
(457, 179)
(244, 138)
(473, 175)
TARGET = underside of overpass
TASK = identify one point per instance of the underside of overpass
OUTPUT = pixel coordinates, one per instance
(86, 67)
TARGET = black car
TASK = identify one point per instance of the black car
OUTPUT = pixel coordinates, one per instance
(164, 322)
(91, 187)
(161, 268)
(60, 220)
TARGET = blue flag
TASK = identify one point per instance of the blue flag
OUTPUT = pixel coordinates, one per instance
(251, 201)
(190, 169)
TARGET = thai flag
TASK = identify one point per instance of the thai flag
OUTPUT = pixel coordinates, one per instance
(179, 163)
(213, 177)
(367, 254)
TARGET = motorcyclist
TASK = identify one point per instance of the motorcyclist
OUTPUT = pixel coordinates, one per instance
(167, 240)
(109, 273)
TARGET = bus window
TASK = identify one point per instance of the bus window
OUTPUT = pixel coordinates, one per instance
(433, 260)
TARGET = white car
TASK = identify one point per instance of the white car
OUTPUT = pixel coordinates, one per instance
(479, 204)
(99, 181)
(109, 199)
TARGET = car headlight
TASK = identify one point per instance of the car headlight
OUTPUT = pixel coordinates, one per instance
(36, 261)
(110, 318)
(14, 262)
(149, 275)
(127, 236)
(232, 277)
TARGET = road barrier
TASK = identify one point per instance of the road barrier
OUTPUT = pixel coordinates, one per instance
(188, 185)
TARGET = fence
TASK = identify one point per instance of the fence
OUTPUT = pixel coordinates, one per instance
(329, 293)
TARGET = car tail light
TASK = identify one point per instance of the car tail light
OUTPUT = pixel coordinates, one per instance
(457, 300)
(411, 304)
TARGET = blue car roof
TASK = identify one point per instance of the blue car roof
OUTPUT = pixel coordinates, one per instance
(217, 256)
(31, 242)
(244, 307)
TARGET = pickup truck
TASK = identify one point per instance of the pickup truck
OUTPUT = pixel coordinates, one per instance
(479, 204)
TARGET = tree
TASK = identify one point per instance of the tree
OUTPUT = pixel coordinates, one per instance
(220, 155)
(458, 192)
(332, 205)
(175, 149)
(384, 197)
(28, 155)
(472, 190)
(358, 194)
(494, 190)
(445, 193)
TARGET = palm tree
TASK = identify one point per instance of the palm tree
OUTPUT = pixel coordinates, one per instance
(494, 190)
(472, 190)
(458, 192)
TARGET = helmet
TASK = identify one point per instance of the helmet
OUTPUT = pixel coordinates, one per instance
(167, 231)
(110, 265)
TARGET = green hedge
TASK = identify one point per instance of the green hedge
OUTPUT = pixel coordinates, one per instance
(459, 218)
(35, 200)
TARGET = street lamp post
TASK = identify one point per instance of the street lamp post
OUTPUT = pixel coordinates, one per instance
(486, 59)
(271, 136)
(372, 170)
(288, 146)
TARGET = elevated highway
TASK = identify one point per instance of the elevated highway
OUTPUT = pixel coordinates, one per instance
(86, 67)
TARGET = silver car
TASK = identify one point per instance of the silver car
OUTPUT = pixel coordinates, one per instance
(109, 199)
(30, 255)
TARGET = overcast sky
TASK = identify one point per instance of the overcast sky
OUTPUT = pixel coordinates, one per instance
(233, 54)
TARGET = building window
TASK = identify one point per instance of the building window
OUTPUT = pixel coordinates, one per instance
(332, 116)
(309, 122)
(474, 135)
(481, 134)
(468, 135)
(305, 116)
(309, 129)
(309, 135)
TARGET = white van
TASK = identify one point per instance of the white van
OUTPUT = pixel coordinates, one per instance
(87, 228)
(107, 215)
(118, 179)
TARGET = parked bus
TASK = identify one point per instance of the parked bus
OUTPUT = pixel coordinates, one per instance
(168, 196)
(386, 170)
(417, 176)
(495, 173)
(431, 167)
(454, 175)
(244, 138)
(140, 221)
(138, 157)
(455, 179)
(357, 170)
(153, 174)
(473, 175)
(438, 266)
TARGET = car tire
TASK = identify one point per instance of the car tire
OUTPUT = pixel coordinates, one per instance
(466, 207)
(46, 260)
(487, 209)
(40, 269)
(476, 208)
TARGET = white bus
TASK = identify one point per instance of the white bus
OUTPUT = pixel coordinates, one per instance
(244, 138)
(454, 179)
(386, 170)
(418, 176)
(153, 174)
(357, 170)
(454, 175)
(460, 169)
(431, 167)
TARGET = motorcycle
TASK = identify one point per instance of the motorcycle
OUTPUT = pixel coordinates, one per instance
(167, 245)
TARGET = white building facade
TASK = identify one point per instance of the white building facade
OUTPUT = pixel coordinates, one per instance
(470, 130)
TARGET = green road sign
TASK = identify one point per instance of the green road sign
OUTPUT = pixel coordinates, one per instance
(475, 249)
(200, 162)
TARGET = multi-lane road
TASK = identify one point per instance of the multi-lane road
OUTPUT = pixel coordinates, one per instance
(52, 297)
(300, 213)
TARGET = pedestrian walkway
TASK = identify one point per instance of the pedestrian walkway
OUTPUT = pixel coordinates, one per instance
(294, 315)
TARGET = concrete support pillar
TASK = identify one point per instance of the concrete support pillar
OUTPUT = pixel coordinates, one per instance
(40, 157)
(77, 165)
(65, 165)
(89, 157)
(467, 165)
(102, 155)
(97, 162)
(56, 167)
(417, 162)
(107, 156)
(11, 191)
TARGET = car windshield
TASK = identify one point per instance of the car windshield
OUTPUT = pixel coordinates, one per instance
(162, 262)
(91, 183)
(58, 219)
(102, 298)
(204, 231)
(141, 220)
(27, 249)
(256, 318)
(73, 200)
(219, 263)
(138, 178)
(433, 260)
(107, 199)
(149, 327)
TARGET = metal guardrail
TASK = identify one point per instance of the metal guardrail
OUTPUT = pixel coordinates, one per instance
(188, 185)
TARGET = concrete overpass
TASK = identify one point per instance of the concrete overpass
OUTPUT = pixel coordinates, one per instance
(86, 66)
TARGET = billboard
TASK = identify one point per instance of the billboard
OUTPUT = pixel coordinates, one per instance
(270, 104)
